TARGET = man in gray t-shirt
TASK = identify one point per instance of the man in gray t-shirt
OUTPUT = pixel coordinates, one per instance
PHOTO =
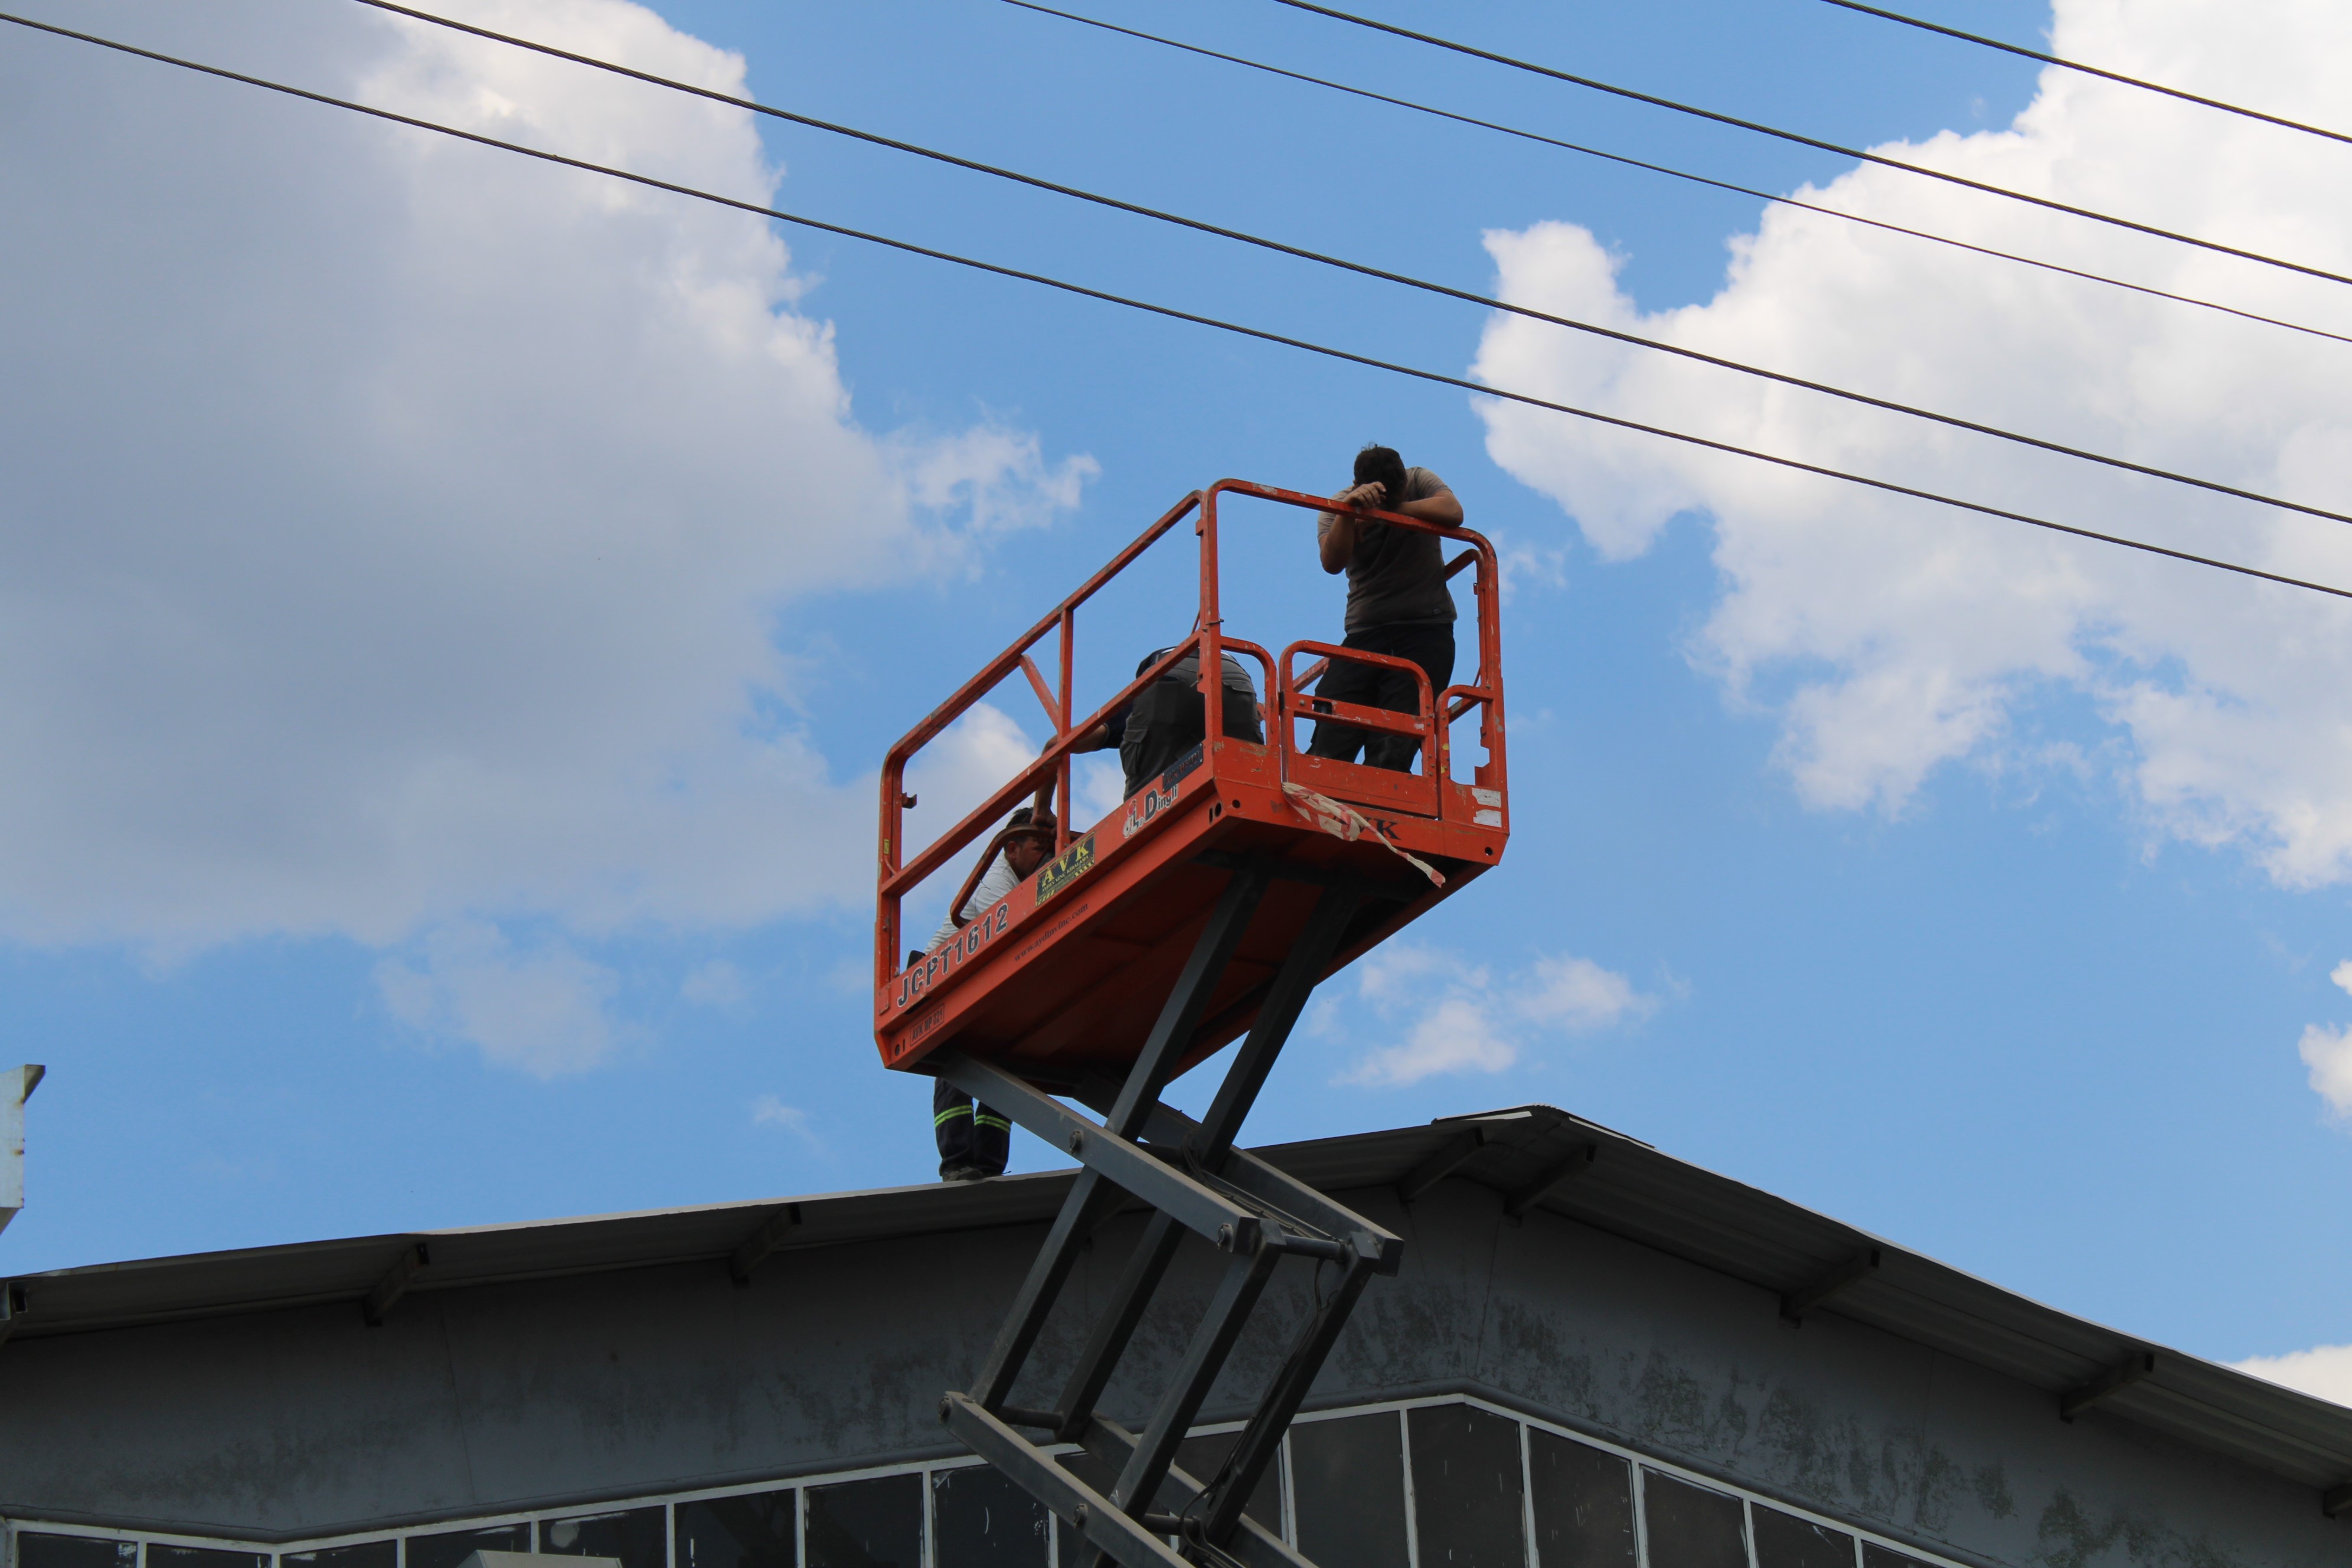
(1398, 603)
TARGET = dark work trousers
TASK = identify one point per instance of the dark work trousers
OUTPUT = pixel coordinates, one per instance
(1373, 686)
(969, 1134)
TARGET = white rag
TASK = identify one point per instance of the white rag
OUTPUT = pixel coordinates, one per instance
(1341, 820)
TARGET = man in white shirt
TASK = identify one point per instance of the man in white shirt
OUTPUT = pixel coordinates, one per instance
(973, 1140)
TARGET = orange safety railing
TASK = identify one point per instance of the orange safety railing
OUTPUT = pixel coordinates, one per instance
(1046, 780)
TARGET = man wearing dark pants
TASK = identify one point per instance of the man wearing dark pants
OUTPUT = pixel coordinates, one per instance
(1398, 604)
(973, 1140)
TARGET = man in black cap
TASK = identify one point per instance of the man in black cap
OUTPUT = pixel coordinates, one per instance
(1398, 603)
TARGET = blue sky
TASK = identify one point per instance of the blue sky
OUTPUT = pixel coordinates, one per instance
(2020, 982)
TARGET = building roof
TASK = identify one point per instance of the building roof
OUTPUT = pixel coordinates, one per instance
(1538, 1156)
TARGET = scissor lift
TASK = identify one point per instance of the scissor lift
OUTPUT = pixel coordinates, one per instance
(1206, 907)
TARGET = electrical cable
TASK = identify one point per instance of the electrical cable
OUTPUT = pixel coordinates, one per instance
(2184, 95)
(1678, 173)
(1803, 140)
(1173, 313)
(1362, 269)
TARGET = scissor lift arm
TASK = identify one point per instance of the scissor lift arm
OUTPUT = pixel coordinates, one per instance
(1194, 1180)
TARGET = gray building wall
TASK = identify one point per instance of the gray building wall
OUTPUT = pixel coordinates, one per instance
(289, 1424)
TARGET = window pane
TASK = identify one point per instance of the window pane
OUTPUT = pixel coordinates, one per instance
(867, 1524)
(1469, 1506)
(1199, 1458)
(981, 1520)
(74, 1552)
(361, 1554)
(450, 1548)
(1784, 1540)
(1075, 1552)
(160, 1556)
(1877, 1556)
(1584, 1504)
(1691, 1527)
(761, 1530)
(1346, 1479)
(634, 1535)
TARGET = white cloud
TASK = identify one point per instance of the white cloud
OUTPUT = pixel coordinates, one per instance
(2329, 1054)
(716, 984)
(398, 531)
(545, 1012)
(1453, 1017)
(999, 475)
(2324, 1371)
(1893, 637)
(769, 1111)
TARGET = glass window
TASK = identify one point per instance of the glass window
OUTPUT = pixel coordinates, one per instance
(981, 1520)
(1691, 1527)
(1468, 1504)
(1200, 1457)
(450, 1548)
(759, 1531)
(360, 1554)
(1784, 1540)
(1075, 1552)
(1876, 1556)
(38, 1551)
(161, 1556)
(1584, 1504)
(867, 1524)
(1347, 1481)
(634, 1535)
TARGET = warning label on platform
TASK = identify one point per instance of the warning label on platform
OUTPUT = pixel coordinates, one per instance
(1067, 867)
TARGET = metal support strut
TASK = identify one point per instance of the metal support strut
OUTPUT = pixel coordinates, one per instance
(1196, 1182)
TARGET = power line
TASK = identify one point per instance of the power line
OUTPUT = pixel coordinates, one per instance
(2092, 71)
(1362, 269)
(1173, 313)
(1679, 174)
(1803, 140)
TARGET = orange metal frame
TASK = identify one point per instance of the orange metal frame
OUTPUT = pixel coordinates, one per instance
(1058, 977)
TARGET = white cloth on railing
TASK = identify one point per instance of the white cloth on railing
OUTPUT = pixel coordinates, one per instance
(1341, 820)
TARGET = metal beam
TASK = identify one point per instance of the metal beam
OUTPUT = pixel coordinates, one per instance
(1457, 1153)
(1081, 1507)
(393, 1284)
(1261, 1441)
(1180, 1016)
(1245, 1173)
(2337, 1501)
(1210, 1214)
(2115, 1379)
(1551, 1181)
(1221, 1325)
(1256, 1545)
(1090, 1200)
(757, 1246)
(1803, 1299)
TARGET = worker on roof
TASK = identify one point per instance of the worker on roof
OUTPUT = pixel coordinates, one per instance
(1168, 720)
(1398, 603)
(973, 1140)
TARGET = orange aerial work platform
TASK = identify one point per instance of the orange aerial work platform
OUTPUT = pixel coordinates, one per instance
(1205, 909)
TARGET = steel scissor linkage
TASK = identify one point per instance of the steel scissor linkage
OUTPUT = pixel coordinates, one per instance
(1194, 1180)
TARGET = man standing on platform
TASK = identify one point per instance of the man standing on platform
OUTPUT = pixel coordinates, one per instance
(1398, 603)
(974, 1140)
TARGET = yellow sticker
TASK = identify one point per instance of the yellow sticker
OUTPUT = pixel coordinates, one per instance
(1067, 867)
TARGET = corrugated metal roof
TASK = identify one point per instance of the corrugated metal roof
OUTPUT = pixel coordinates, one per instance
(1630, 1189)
